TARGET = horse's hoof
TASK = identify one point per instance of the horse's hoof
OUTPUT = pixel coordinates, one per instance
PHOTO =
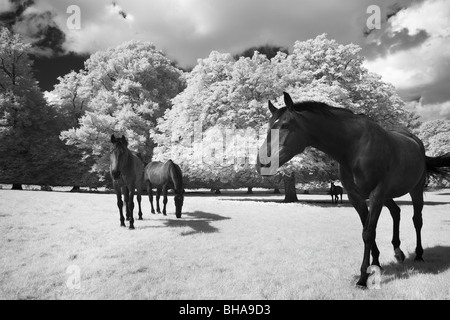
(140, 218)
(164, 214)
(153, 212)
(399, 255)
(131, 228)
(361, 284)
(419, 259)
(122, 225)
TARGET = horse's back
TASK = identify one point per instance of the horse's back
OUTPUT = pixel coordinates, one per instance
(156, 173)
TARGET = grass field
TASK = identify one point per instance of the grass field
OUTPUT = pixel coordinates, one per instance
(224, 247)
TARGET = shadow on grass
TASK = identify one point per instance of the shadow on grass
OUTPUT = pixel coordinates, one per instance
(197, 221)
(437, 260)
(315, 202)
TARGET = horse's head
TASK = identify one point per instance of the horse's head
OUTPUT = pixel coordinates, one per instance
(179, 199)
(118, 151)
(285, 138)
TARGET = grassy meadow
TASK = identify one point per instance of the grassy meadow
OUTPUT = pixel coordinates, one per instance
(224, 247)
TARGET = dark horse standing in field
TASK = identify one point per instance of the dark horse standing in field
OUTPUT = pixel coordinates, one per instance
(127, 172)
(164, 176)
(374, 164)
(335, 192)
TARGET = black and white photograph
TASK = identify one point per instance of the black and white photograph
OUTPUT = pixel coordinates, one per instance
(224, 155)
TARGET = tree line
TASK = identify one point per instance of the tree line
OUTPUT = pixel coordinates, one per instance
(209, 120)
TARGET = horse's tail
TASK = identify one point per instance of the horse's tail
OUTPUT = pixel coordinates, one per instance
(438, 166)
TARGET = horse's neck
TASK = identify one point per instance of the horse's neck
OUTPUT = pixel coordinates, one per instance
(333, 135)
(128, 159)
(176, 179)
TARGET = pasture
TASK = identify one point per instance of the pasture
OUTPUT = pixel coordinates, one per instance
(223, 247)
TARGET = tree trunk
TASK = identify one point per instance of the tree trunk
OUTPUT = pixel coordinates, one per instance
(276, 191)
(250, 190)
(16, 186)
(289, 188)
(75, 189)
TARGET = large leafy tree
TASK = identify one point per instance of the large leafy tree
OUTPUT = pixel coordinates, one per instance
(435, 135)
(122, 90)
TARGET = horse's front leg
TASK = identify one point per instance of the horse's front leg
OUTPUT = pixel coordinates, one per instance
(120, 205)
(126, 195)
(369, 234)
(131, 205)
(150, 196)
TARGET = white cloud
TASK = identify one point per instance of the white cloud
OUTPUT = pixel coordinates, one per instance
(5, 5)
(423, 70)
(430, 111)
(420, 65)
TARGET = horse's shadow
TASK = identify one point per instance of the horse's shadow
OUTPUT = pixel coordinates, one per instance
(197, 221)
(437, 260)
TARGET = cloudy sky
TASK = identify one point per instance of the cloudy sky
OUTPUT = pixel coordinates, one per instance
(411, 50)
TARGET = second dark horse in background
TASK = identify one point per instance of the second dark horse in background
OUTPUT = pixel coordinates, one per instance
(164, 176)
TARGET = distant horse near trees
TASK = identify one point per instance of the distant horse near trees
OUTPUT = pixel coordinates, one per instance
(164, 176)
(127, 171)
(374, 164)
(335, 192)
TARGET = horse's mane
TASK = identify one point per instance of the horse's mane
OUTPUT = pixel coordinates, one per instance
(319, 107)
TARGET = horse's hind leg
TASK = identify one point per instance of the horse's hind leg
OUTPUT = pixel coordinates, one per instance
(150, 196)
(164, 201)
(158, 195)
(417, 200)
(395, 213)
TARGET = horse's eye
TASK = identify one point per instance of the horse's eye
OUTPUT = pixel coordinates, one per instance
(285, 126)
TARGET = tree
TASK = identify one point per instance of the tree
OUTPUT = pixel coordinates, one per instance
(122, 90)
(435, 135)
(29, 144)
(211, 118)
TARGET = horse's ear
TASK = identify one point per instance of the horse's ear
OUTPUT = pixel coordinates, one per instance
(272, 108)
(124, 140)
(288, 101)
(113, 138)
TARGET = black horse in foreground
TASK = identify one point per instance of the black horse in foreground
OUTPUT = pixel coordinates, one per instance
(164, 176)
(335, 192)
(126, 172)
(374, 164)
